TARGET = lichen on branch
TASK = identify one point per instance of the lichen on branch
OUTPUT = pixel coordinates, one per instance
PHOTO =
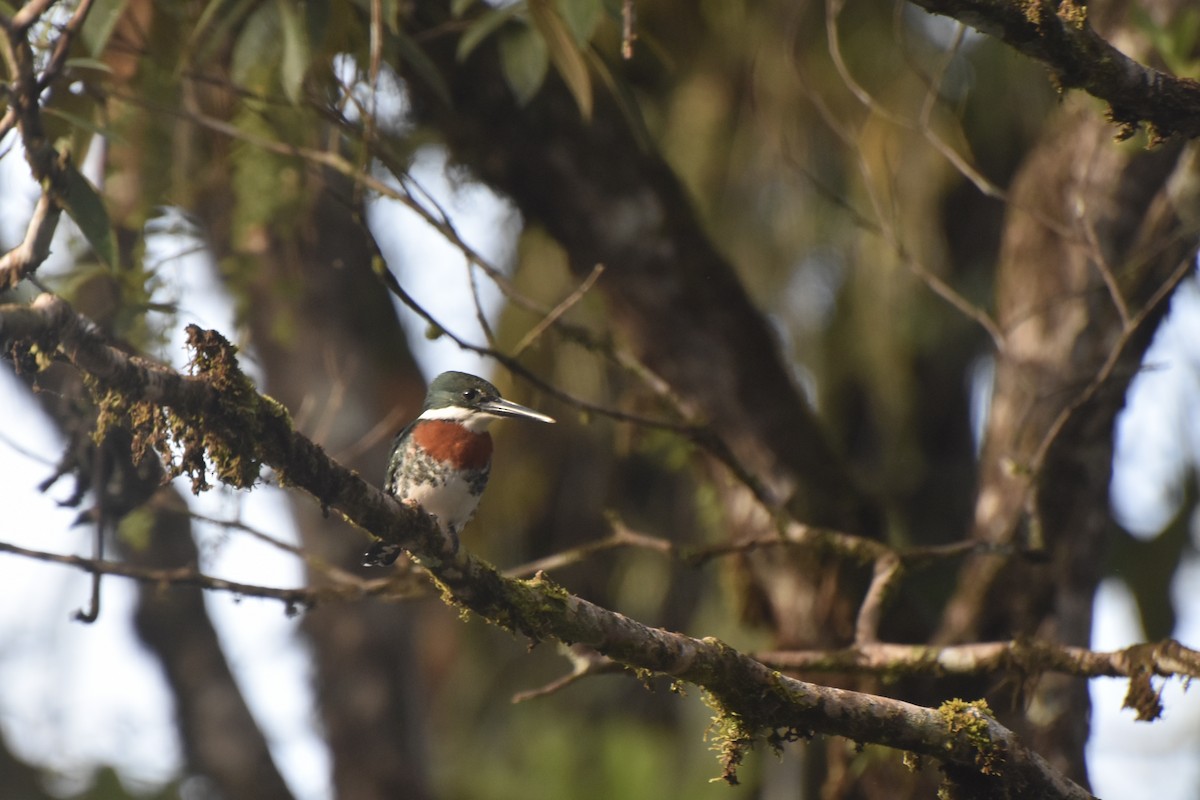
(213, 433)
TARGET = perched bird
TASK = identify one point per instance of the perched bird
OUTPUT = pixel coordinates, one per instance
(442, 459)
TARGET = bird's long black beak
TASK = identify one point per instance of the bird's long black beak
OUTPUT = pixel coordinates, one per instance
(506, 408)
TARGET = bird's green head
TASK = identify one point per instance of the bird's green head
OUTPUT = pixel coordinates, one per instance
(472, 401)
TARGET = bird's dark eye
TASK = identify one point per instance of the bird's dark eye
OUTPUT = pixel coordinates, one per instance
(471, 395)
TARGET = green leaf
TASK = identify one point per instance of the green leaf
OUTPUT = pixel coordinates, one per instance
(87, 63)
(564, 52)
(460, 7)
(98, 27)
(524, 60)
(581, 17)
(215, 26)
(82, 202)
(484, 26)
(391, 13)
(296, 51)
(258, 49)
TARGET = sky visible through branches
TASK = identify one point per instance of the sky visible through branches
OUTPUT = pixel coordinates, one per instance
(104, 702)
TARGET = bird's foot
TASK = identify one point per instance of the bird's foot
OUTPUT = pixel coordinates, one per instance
(381, 554)
(450, 531)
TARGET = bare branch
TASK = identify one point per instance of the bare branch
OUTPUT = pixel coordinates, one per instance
(585, 662)
(560, 309)
(30, 13)
(46, 163)
(62, 45)
(185, 576)
(25, 258)
(1167, 658)
(888, 569)
(621, 537)
(883, 225)
(1128, 333)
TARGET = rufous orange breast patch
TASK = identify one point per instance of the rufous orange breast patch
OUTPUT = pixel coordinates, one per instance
(448, 441)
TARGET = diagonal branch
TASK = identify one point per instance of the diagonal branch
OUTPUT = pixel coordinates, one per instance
(752, 700)
(47, 164)
(1059, 35)
(18, 263)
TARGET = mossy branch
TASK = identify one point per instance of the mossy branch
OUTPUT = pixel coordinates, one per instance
(752, 701)
(1059, 35)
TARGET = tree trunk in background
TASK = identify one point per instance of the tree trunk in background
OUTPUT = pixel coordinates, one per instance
(675, 299)
(221, 739)
(1079, 208)
(295, 256)
(331, 349)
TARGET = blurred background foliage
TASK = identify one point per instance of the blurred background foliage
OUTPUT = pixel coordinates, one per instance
(844, 159)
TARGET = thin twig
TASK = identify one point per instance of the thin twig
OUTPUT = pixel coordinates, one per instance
(1187, 265)
(176, 576)
(18, 263)
(585, 662)
(512, 365)
(555, 313)
(620, 537)
(29, 13)
(62, 45)
(886, 575)
(628, 28)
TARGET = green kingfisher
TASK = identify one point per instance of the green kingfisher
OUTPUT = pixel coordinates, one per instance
(441, 460)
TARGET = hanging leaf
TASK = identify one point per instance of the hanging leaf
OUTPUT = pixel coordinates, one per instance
(258, 49)
(524, 61)
(581, 17)
(87, 64)
(484, 26)
(216, 25)
(98, 27)
(564, 52)
(391, 12)
(83, 204)
(293, 65)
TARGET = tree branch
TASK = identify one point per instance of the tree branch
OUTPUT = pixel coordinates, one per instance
(294, 599)
(1060, 36)
(46, 164)
(1025, 659)
(25, 258)
(1139, 663)
(239, 428)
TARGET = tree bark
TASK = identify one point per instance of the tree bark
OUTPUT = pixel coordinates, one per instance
(1087, 221)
